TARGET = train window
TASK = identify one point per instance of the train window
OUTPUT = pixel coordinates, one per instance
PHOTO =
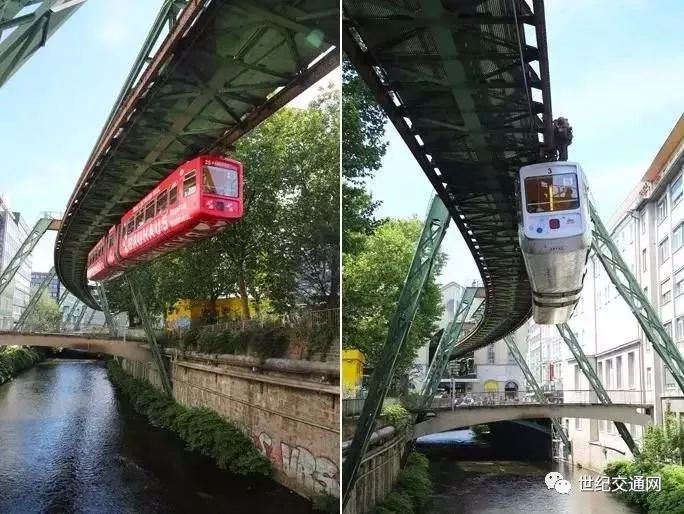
(161, 201)
(110, 241)
(129, 227)
(189, 184)
(149, 211)
(220, 181)
(139, 219)
(173, 196)
(551, 193)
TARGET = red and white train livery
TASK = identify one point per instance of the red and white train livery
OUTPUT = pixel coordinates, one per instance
(199, 198)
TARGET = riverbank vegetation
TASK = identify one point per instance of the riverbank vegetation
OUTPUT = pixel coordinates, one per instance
(662, 455)
(413, 490)
(202, 429)
(14, 360)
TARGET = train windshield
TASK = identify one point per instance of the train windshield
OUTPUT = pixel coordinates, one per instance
(220, 181)
(551, 193)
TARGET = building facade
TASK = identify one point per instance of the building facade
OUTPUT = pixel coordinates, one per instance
(13, 232)
(55, 287)
(648, 230)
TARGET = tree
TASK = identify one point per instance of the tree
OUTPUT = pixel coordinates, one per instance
(287, 244)
(119, 294)
(46, 316)
(363, 146)
(373, 280)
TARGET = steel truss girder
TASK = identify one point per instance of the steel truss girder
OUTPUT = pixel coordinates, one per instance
(626, 284)
(31, 30)
(104, 305)
(24, 251)
(211, 49)
(478, 152)
(445, 347)
(426, 252)
(33, 301)
(141, 308)
(532, 382)
(72, 310)
(583, 362)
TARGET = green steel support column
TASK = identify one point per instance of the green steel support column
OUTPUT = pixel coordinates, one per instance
(90, 318)
(581, 359)
(629, 289)
(139, 303)
(522, 364)
(72, 311)
(426, 252)
(79, 317)
(446, 345)
(24, 251)
(31, 29)
(109, 319)
(62, 297)
(33, 301)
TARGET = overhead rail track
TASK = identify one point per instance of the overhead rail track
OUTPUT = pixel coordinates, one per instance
(223, 68)
(470, 96)
(25, 26)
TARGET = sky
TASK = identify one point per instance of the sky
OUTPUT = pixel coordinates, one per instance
(617, 73)
(52, 110)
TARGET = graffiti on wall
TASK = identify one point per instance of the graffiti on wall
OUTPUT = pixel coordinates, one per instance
(316, 473)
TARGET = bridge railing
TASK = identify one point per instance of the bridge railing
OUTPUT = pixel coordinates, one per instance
(619, 396)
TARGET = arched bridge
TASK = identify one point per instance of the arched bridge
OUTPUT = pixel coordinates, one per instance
(130, 350)
(448, 419)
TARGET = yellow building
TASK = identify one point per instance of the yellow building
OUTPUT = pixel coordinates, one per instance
(352, 369)
(184, 312)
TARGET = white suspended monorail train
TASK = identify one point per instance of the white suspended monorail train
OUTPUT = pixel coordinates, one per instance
(555, 236)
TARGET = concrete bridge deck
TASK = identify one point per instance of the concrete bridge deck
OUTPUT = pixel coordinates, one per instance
(460, 417)
(95, 343)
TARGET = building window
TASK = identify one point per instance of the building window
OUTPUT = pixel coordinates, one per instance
(450, 309)
(665, 292)
(618, 372)
(678, 237)
(609, 373)
(668, 328)
(676, 191)
(644, 261)
(600, 371)
(578, 423)
(679, 328)
(679, 282)
(491, 355)
(643, 222)
(630, 370)
(649, 378)
(577, 377)
(664, 251)
(661, 209)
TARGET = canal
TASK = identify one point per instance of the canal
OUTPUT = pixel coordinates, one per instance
(469, 478)
(69, 444)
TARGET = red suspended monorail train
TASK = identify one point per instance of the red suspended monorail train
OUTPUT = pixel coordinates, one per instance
(198, 199)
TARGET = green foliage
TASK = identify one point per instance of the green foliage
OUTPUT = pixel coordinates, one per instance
(202, 429)
(326, 503)
(363, 146)
(396, 415)
(373, 280)
(413, 489)
(670, 499)
(661, 447)
(14, 360)
(264, 342)
(46, 316)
